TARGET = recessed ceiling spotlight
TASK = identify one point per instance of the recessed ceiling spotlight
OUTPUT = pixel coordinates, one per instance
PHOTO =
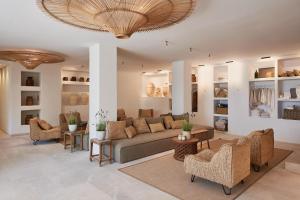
(143, 72)
(230, 61)
(265, 57)
(201, 65)
(159, 70)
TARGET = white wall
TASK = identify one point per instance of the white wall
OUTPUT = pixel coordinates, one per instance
(129, 92)
(50, 96)
(240, 122)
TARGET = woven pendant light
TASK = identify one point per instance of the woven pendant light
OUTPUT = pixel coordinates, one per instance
(121, 17)
(31, 58)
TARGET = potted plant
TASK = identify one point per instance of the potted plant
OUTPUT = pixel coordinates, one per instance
(72, 123)
(186, 130)
(101, 120)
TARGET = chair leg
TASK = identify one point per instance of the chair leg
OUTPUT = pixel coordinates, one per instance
(208, 144)
(267, 164)
(201, 144)
(226, 190)
(35, 142)
(91, 152)
(193, 178)
(256, 168)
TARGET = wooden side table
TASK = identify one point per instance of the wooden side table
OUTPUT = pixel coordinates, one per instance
(101, 156)
(72, 137)
(201, 135)
(184, 148)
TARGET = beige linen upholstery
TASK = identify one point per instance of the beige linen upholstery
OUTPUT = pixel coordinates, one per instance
(168, 121)
(177, 124)
(116, 130)
(38, 134)
(141, 126)
(262, 147)
(228, 166)
(130, 132)
(158, 127)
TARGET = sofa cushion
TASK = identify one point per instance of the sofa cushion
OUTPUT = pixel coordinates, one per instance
(44, 125)
(116, 130)
(184, 116)
(177, 124)
(145, 138)
(164, 115)
(154, 120)
(141, 126)
(167, 121)
(130, 132)
(158, 127)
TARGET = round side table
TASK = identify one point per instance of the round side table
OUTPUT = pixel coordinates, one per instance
(184, 148)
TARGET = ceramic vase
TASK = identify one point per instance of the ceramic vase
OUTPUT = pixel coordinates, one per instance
(100, 135)
(150, 89)
(186, 134)
(72, 127)
(29, 81)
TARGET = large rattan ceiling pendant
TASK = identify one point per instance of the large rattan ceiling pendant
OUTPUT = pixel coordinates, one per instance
(121, 17)
(30, 58)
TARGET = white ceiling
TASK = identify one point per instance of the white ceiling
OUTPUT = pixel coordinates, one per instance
(229, 29)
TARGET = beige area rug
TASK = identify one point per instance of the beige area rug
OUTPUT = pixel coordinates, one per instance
(167, 174)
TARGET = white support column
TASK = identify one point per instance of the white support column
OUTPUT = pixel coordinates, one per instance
(181, 87)
(103, 82)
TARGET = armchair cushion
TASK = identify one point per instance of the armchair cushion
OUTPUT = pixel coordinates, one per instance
(44, 125)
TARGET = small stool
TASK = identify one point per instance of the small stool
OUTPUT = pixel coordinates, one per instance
(102, 157)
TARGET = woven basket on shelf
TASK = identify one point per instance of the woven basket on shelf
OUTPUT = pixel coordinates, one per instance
(293, 114)
(222, 111)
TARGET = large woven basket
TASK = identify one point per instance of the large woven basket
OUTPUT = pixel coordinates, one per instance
(293, 114)
(222, 111)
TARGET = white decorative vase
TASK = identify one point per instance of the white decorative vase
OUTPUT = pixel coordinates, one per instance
(187, 134)
(100, 135)
(72, 127)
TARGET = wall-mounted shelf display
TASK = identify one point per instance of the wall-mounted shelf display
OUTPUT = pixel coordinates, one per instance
(30, 96)
(220, 99)
(75, 91)
(26, 115)
(30, 79)
(289, 88)
(264, 70)
(157, 84)
(194, 90)
(262, 99)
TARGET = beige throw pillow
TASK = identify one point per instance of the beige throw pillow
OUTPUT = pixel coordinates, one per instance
(130, 132)
(44, 125)
(116, 130)
(158, 127)
(167, 121)
(177, 124)
(141, 126)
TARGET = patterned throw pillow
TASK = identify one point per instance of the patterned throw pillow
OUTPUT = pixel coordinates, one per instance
(141, 126)
(177, 124)
(156, 127)
(116, 130)
(44, 125)
(130, 132)
(184, 116)
(168, 121)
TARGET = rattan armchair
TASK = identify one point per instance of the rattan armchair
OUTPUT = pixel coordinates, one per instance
(228, 166)
(262, 148)
(38, 134)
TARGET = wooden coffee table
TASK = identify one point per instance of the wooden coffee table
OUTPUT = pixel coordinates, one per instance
(184, 148)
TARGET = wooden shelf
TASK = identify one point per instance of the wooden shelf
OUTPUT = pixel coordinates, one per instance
(75, 83)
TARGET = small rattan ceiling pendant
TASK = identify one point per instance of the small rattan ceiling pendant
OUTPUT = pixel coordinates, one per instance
(31, 58)
(121, 17)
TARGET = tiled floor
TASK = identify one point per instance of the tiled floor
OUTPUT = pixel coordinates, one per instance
(47, 172)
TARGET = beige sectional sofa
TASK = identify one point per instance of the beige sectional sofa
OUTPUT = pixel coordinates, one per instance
(146, 144)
